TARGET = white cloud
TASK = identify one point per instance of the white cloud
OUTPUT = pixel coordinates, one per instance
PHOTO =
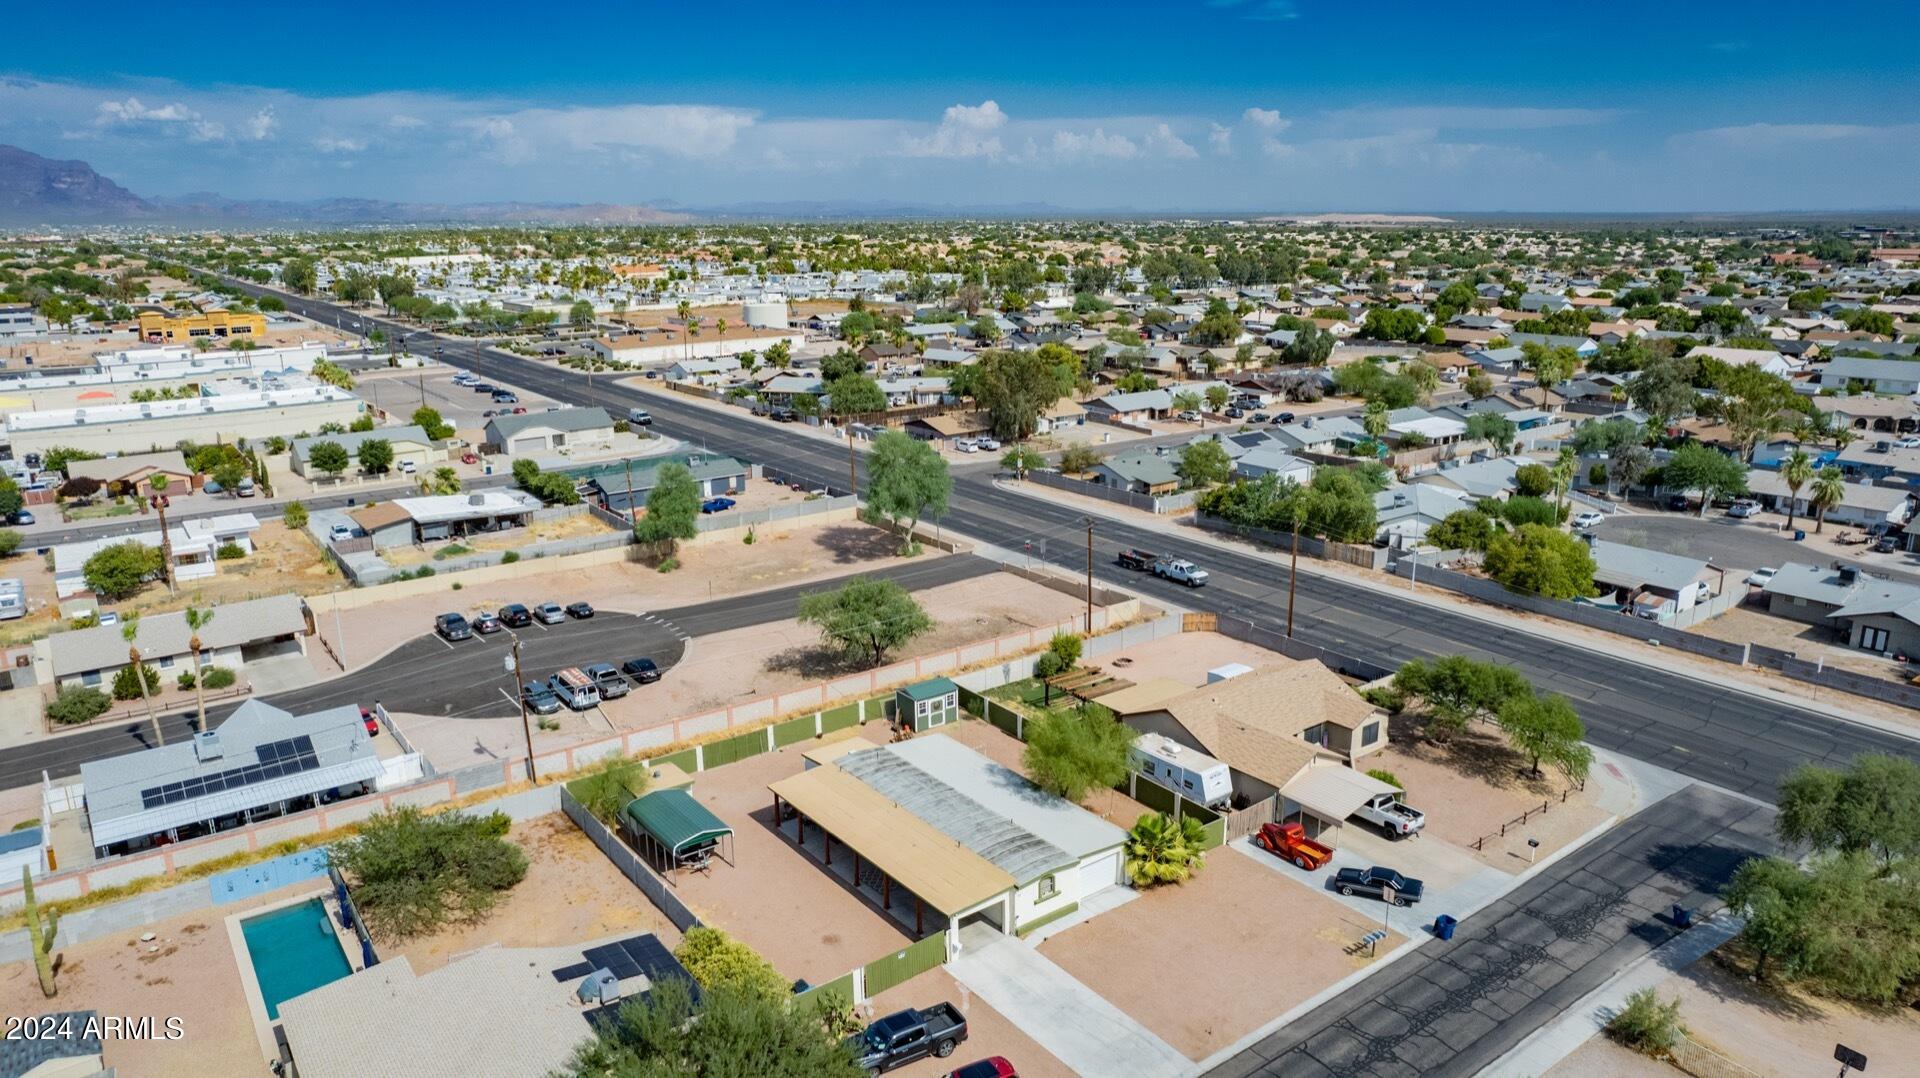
(400, 121)
(1073, 145)
(1469, 118)
(132, 111)
(329, 144)
(1267, 120)
(1163, 141)
(1765, 136)
(262, 124)
(964, 131)
(1221, 139)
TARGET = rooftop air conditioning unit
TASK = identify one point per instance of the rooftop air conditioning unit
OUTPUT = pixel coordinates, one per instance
(207, 746)
(601, 986)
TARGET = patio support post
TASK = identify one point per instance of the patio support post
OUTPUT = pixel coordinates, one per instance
(886, 891)
(826, 842)
(919, 915)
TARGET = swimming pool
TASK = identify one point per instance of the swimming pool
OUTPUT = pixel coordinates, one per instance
(293, 951)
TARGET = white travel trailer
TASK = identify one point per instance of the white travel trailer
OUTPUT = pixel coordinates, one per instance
(1188, 772)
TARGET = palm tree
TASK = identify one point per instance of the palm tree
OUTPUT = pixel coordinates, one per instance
(1563, 468)
(720, 327)
(196, 620)
(1796, 471)
(1374, 420)
(129, 629)
(1160, 850)
(693, 330)
(1829, 489)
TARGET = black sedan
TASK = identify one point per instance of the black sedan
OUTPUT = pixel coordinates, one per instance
(580, 610)
(1377, 881)
(516, 616)
(642, 671)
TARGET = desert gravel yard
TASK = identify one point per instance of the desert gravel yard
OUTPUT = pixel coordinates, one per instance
(1204, 963)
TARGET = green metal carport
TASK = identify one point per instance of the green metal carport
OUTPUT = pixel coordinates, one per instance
(678, 831)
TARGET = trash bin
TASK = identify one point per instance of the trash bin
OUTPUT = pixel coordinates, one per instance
(1799, 535)
(1682, 916)
(1443, 926)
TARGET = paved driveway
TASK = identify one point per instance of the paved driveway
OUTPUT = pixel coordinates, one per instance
(1735, 544)
(1452, 1008)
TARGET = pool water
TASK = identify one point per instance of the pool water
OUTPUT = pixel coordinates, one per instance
(294, 952)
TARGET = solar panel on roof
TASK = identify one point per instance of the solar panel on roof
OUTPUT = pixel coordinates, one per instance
(278, 759)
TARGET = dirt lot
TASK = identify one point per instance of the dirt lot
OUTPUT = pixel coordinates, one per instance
(193, 976)
(1474, 783)
(989, 1033)
(778, 900)
(776, 656)
(572, 894)
(1600, 1057)
(1744, 624)
(1279, 945)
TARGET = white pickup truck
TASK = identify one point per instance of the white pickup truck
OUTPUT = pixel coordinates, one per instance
(1391, 815)
(1180, 571)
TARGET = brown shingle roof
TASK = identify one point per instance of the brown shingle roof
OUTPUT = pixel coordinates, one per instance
(1253, 722)
(378, 516)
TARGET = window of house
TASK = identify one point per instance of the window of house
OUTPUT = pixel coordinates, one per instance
(91, 677)
(1369, 733)
(1315, 734)
(1049, 887)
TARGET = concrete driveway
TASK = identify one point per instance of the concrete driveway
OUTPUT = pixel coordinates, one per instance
(1064, 1016)
(1454, 880)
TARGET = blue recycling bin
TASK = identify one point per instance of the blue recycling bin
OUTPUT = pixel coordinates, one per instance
(1443, 927)
(1799, 535)
(1682, 916)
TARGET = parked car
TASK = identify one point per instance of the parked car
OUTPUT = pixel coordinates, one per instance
(1762, 576)
(784, 415)
(717, 505)
(1588, 519)
(1234, 411)
(987, 445)
(522, 410)
(486, 623)
(580, 610)
(1137, 559)
(21, 517)
(1376, 881)
(1906, 443)
(1180, 571)
(643, 671)
(575, 689)
(608, 680)
(1188, 416)
(408, 467)
(367, 720)
(245, 489)
(905, 1036)
(211, 487)
(469, 458)
(990, 1067)
(1886, 544)
(1289, 842)
(1387, 812)
(540, 699)
(516, 616)
(1258, 417)
(1679, 502)
(505, 396)
(1743, 509)
(482, 387)
(339, 532)
(966, 445)
(1283, 417)
(452, 627)
(549, 613)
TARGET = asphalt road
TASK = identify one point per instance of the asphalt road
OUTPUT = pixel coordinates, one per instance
(1454, 1007)
(429, 676)
(1741, 742)
(1732, 543)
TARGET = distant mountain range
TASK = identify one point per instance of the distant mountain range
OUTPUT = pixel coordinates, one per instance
(35, 190)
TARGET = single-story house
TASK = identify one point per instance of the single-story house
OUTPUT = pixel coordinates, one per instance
(1869, 612)
(1407, 512)
(135, 471)
(1132, 407)
(194, 545)
(1582, 346)
(550, 431)
(947, 427)
(1271, 726)
(1891, 415)
(1270, 459)
(1863, 505)
(936, 356)
(905, 391)
(944, 837)
(1140, 471)
(1896, 376)
(410, 445)
(1651, 580)
(1492, 478)
(1879, 460)
(261, 763)
(497, 1012)
(1765, 359)
(1505, 360)
(622, 490)
(239, 633)
(780, 390)
(1060, 415)
(702, 371)
(409, 521)
(1419, 423)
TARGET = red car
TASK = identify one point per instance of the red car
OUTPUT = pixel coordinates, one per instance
(373, 724)
(991, 1067)
(469, 458)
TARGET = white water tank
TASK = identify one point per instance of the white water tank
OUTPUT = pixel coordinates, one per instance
(765, 313)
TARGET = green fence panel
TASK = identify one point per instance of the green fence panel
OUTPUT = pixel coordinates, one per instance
(1198, 811)
(683, 760)
(1216, 834)
(1004, 717)
(902, 966)
(972, 702)
(842, 984)
(736, 748)
(792, 731)
(880, 707)
(1154, 796)
(839, 718)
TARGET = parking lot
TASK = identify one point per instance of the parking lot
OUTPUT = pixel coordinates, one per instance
(399, 391)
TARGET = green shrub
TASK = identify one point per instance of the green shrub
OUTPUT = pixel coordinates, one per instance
(78, 704)
(510, 557)
(1386, 698)
(126, 683)
(217, 677)
(186, 679)
(718, 961)
(294, 515)
(1387, 777)
(669, 565)
(229, 551)
(1647, 1025)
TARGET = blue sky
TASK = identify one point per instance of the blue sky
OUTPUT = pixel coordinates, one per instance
(1209, 104)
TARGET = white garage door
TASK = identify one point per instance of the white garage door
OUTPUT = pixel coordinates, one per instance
(528, 445)
(1098, 874)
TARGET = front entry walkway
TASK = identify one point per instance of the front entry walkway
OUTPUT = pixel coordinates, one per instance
(1067, 1018)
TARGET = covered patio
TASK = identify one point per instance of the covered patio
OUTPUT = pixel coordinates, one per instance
(1321, 798)
(673, 831)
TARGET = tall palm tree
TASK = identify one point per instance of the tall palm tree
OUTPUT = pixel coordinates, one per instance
(1796, 471)
(129, 629)
(197, 620)
(1562, 471)
(693, 330)
(1374, 420)
(1829, 489)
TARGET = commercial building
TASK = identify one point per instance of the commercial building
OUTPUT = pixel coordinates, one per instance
(159, 327)
(944, 837)
(171, 369)
(663, 345)
(410, 446)
(556, 430)
(239, 633)
(18, 320)
(499, 1012)
(194, 545)
(261, 763)
(408, 521)
(254, 411)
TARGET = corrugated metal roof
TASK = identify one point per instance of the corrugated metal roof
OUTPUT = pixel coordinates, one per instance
(674, 818)
(1016, 850)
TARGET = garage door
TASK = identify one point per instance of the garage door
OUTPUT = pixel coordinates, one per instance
(528, 445)
(1100, 873)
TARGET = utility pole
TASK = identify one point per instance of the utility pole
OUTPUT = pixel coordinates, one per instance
(853, 466)
(1293, 574)
(1089, 523)
(633, 511)
(421, 380)
(520, 692)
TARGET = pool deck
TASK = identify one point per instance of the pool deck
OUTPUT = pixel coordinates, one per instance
(250, 984)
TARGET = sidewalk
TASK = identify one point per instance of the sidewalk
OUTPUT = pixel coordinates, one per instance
(1891, 720)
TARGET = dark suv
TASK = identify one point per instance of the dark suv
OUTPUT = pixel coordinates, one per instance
(642, 671)
(515, 616)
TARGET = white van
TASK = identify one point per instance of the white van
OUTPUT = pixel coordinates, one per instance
(575, 688)
(1188, 772)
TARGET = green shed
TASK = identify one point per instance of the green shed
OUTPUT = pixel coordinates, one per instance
(927, 704)
(674, 831)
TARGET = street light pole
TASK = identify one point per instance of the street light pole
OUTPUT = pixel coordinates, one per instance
(1089, 523)
(1293, 573)
(520, 692)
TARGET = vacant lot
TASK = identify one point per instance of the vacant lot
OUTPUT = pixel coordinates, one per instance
(1266, 945)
